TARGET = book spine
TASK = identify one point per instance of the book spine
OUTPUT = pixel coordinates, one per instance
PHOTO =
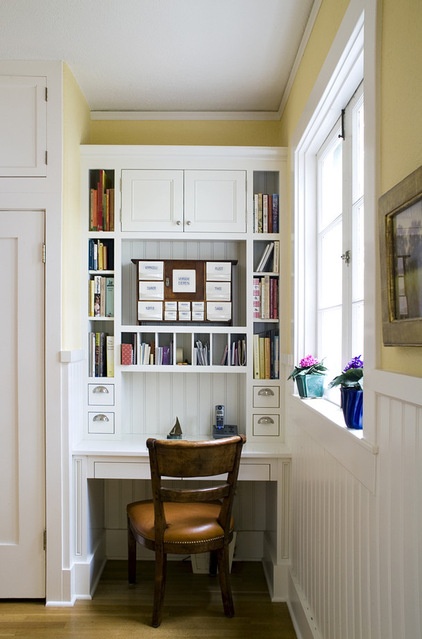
(265, 213)
(110, 355)
(109, 304)
(276, 215)
(256, 297)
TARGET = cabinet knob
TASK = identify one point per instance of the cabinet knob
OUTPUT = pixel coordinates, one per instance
(178, 223)
(265, 420)
(100, 418)
(188, 223)
(266, 392)
(101, 389)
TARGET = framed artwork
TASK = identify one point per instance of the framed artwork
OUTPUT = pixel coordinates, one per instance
(400, 225)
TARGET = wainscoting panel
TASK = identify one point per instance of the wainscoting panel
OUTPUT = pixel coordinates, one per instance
(357, 554)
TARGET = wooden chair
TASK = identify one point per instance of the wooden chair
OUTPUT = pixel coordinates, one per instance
(187, 521)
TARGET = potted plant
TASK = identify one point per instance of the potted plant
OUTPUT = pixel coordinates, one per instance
(351, 389)
(309, 377)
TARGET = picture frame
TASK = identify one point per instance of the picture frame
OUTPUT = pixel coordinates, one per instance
(400, 236)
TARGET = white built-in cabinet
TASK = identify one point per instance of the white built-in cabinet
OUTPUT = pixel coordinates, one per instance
(183, 201)
(191, 204)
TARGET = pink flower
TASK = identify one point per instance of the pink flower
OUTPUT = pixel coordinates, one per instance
(307, 361)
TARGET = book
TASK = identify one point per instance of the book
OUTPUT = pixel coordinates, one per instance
(109, 300)
(275, 213)
(256, 297)
(265, 213)
(276, 257)
(110, 355)
(265, 297)
(126, 354)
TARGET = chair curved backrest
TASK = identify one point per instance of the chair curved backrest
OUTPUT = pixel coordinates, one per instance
(189, 459)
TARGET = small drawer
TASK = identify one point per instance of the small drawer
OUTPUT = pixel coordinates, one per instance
(219, 271)
(101, 423)
(266, 425)
(218, 291)
(101, 394)
(266, 397)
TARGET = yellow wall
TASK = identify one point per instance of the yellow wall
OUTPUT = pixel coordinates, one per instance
(401, 124)
(180, 132)
(76, 119)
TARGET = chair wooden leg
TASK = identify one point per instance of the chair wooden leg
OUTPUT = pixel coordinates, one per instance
(131, 556)
(159, 586)
(225, 585)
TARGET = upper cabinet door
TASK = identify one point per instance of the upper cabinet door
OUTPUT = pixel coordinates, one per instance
(152, 200)
(215, 201)
(23, 126)
(184, 201)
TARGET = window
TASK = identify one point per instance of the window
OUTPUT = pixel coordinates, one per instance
(329, 216)
(339, 239)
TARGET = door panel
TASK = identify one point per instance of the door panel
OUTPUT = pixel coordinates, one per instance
(22, 446)
(23, 126)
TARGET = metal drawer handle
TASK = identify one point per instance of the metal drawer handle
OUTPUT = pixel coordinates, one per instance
(266, 392)
(101, 418)
(101, 389)
(265, 420)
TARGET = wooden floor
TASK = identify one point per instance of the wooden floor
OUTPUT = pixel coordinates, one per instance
(192, 608)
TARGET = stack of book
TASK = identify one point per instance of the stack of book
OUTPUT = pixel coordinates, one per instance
(101, 354)
(266, 213)
(266, 358)
(100, 255)
(164, 355)
(265, 297)
(101, 205)
(101, 296)
(201, 354)
(238, 352)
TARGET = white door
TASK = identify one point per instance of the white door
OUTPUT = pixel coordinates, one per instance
(22, 446)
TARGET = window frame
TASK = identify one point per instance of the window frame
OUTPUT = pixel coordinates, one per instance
(346, 76)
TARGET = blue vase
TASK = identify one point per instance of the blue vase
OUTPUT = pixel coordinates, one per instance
(352, 405)
(310, 385)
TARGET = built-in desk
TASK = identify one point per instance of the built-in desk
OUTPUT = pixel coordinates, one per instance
(127, 459)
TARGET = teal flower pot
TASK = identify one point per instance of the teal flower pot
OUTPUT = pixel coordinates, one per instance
(352, 406)
(310, 385)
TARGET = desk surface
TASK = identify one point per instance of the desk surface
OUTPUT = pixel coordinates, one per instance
(130, 446)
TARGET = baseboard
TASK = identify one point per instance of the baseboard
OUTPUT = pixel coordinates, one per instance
(300, 612)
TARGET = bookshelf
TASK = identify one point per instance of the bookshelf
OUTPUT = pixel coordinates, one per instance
(154, 351)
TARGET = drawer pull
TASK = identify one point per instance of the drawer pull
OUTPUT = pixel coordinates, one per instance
(265, 420)
(101, 389)
(101, 418)
(266, 392)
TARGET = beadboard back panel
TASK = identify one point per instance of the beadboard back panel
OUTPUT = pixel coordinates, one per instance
(357, 554)
(153, 400)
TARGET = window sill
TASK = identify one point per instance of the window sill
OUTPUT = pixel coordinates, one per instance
(323, 421)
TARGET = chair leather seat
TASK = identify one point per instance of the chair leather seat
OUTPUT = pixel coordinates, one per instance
(187, 523)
